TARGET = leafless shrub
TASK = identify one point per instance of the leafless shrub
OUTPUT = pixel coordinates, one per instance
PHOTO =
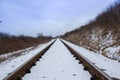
(9, 43)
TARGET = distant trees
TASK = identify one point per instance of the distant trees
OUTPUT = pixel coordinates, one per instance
(109, 17)
(40, 34)
(3, 35)
(10, 43)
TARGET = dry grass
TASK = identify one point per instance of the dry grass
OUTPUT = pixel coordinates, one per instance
(12, 43)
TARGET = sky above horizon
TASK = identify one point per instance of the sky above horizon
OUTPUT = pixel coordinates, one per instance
(51, 17)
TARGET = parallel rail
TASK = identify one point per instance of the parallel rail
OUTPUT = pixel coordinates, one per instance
(25, 68)
(96, 73)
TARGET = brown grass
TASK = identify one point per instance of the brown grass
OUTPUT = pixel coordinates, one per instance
(12, 43)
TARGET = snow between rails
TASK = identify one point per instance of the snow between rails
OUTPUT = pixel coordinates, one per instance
(57, 64)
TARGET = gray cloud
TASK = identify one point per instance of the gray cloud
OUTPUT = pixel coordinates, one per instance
(48, 16)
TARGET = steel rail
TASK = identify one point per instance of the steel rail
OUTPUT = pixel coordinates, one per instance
(25, 68)
(96, 73)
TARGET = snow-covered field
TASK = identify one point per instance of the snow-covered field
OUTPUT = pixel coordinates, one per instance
(14, 54)
(10, 65)
(57, 64)
(111, 67)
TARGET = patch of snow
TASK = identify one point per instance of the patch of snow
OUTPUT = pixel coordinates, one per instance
(94, 37)
(57, 64)
(102, 41)
(10, 54)
(112, 52)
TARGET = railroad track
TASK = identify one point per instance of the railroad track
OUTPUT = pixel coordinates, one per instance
(25, 68)
(95, 72)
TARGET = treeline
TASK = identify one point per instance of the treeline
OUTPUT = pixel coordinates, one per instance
(99, 34)
(109, 18)
(9, 43)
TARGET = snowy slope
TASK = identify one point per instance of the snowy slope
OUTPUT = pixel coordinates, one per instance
(111, 67)
(57, 64)
(8, 66)
(112, 52)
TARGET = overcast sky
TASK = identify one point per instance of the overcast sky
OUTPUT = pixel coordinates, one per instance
(53, 17)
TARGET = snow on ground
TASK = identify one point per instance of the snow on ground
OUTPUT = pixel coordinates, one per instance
(8, 66)
(57, 64)
(111, 52)
(14, 52)
(111, 67)
(11, 55)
